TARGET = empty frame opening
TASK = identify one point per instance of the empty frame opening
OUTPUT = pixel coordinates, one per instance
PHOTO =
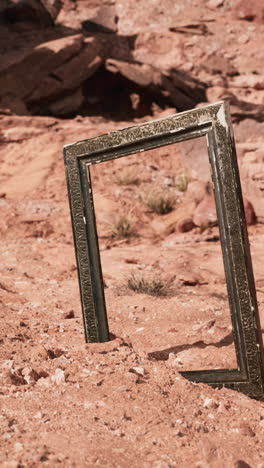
(161, 256)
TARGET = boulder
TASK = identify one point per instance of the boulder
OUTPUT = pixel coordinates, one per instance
(205, 212)
(67, 104)
(179, 220)
(141, 74)
(68, 76)
(57, 68)
(196, 191)
(185, 225)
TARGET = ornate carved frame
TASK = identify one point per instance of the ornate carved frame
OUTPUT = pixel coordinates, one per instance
(212, 121)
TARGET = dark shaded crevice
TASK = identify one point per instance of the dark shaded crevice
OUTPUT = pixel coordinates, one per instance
(115, 97)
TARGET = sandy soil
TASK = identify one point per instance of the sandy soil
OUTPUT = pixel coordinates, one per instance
(67, 403)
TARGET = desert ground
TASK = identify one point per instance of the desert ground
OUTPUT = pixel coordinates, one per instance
(70, 71)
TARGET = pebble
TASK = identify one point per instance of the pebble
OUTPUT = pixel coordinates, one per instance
(7, 364)
(210, 403)
(212, 4)
(69, 315)
(30, 375)
(39, 352)
(244, 429)
(18, 446)
(59, 377)
(138, 370)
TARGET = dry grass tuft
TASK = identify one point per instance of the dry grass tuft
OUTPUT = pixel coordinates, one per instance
(126, 176)
(159, 201)
(153, 286)
(182, 181)
(122, 228)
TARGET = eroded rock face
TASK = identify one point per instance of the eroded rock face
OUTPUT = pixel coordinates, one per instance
(51, 72)
(57, 69)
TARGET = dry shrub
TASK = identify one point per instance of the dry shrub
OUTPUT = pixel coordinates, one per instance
(122, 228)
(181, 181)
(154, 286)
(126, 176)
(158, 200)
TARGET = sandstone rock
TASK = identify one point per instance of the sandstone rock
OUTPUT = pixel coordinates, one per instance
(205, 212)
(212, 4)
(216, 93)
(16, 80)
(180, 91)
(241, 109)
(15, 378)
(57, 68)
(243, 428)
(248, 81)
(196, 191)
(30, 375)
(170, 222)
(141, 74)
(39, 352)
(210, 403)
(140, 371)
(185, 225)
(104, 348)
(189, 278)
(68, 104)
(218, 63)
(69, 75)
(58, 377)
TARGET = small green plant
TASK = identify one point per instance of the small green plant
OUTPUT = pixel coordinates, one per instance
(152, 286)
(122, 228)
(127, 176)
(182, 181)
(161, 202)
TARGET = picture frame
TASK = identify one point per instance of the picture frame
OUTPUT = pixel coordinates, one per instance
(212, 121)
